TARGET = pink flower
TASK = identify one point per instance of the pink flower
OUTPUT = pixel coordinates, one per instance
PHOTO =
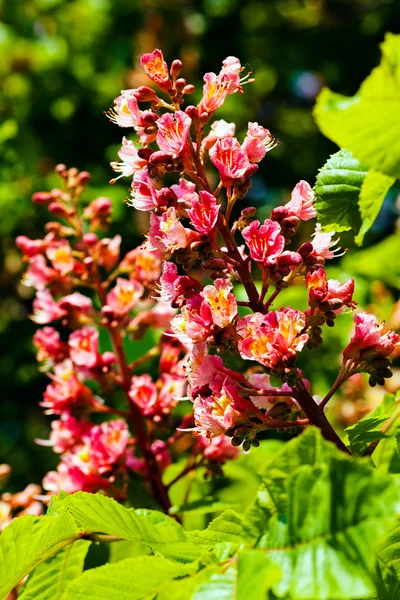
(60, 255)
(126, 113)
(106, 252)
(46, 309)
(206, 370)
(172, 389)
(143, 192)
(98, 212)
(143, 264)
(108, 444)
(323, 244)
(66, 432)
(70, 479)
(332, 292)
(215, 91)
(83, 344)
(33, 247)
(156, 68)
(369, 335)
(168, 233)
(219, 129)
(301, 204)
(272, 339)
(143, 393)
(194, 323)
(221, 301)
(176, 289)
(184, 190)
(265, 242)
(216, 450)
(130, 160)
(217, 87)
(173, 133)
(258, 142)
(76, 303)
(38, 274)
(123, 297)
(216, 414)
(66, 392)
(49, 346)
(231, 161)
(204, 212)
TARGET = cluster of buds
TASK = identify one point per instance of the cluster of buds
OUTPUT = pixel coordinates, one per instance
(165, 284)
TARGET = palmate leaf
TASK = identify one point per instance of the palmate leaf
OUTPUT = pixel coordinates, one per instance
(323, 534)
(29, 541)
(348, 196)
(51, 578)
(129, 579)
(367, 124)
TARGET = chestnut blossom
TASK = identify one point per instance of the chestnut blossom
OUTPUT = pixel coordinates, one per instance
(46, 309)
(217, 413)
(156, 68)
(66, 392)
(217, 87)
(219, 129)
(176, 289)
(323, 244)
(33, 247)
(195, 321)
(273, 339)
(332, 293)
(143, 192)
(173, 133)
(76, 303)
(370, 336)
(204, 212)
(83, 345)
(98, 212)
(301, 204)
(143, 264)
(107, 252)
(258, 142)
(130, 160)
(221, 301)
(167, 232)
(60, 255)
(124, 296)
(231, 161)
(216, 450)
(126, 113)
(265, 242)
(143, 393)
(39, 275)
(49, 346)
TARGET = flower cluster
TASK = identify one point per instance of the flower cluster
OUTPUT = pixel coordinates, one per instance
(201, 243)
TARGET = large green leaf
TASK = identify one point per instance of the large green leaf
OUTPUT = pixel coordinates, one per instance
(337, 190)
(52, 577)
(130, 579)
(388, 566)
(367, 124)
(99, 514)
(348, 196)
(324, 532)
(29, 541)
(256, 575)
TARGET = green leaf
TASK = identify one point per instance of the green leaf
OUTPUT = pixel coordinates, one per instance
(368, 429)
(99, 514)
(337, 190)
(326, 528)
(130, 579)
(202, 506)
(373, 191)
(52, 577)
(348, 196)
(127, 549)
(29, 541)
(367, 124)
(220, 586)
(255, 566)
(388, 566)
(228, 527)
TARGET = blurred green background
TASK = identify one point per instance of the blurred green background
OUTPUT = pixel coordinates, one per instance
(63, 63)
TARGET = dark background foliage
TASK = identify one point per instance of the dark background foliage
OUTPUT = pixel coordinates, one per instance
(64, 61)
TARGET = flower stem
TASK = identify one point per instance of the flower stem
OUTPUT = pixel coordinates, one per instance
(316, 415)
